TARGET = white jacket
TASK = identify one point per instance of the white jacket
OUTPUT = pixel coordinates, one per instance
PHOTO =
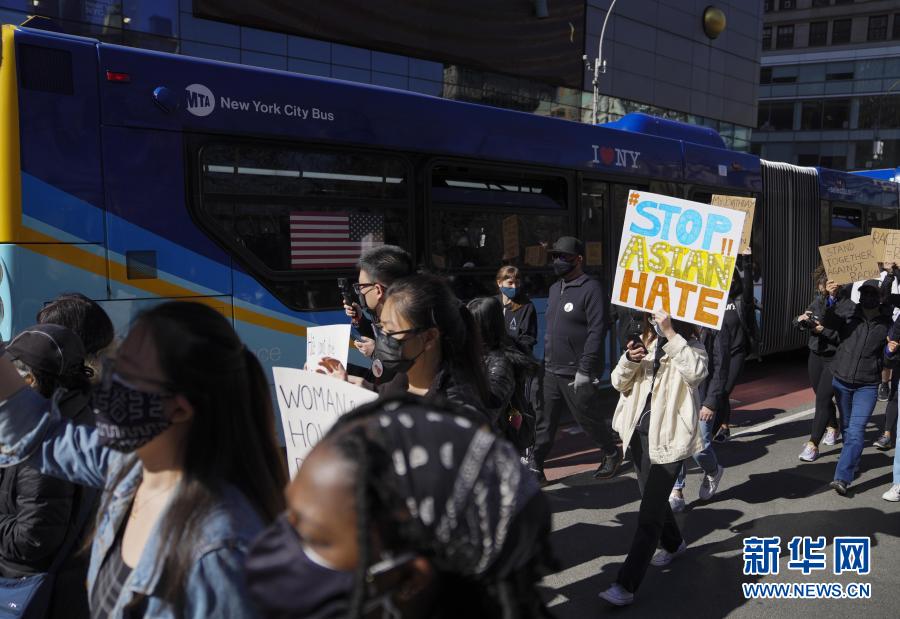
(674, 432)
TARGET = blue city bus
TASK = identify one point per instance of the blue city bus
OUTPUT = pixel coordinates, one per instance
(134, 176)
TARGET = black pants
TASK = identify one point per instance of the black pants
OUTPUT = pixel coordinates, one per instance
(820, 378)
(585, 408)
(656, 524)
(890, 413)
(735, 366)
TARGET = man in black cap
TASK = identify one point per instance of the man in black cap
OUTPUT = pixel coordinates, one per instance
(573, 358)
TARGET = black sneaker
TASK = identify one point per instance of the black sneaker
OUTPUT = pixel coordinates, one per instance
(838, 486)
(883, 443)
(541, 478)
(722, 435)
(609, 466)
(884, 392)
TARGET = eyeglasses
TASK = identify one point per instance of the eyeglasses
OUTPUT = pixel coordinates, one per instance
(357, 287)
(110, 374)
(566, 257)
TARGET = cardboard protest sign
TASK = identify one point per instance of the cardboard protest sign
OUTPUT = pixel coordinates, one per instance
(327, 341)
(746, 206)
(309, 404)
(677, 255)
(536, 256)
(594, 250)
(887, 245)
(850, 261)
(510, 237)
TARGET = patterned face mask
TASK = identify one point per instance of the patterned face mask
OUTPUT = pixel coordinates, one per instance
(127, 418)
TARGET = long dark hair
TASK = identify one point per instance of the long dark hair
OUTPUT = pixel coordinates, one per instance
(427, 301)
(488, 315)
(232, 435)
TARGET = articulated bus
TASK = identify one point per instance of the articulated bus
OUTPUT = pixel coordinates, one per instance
(134, 176)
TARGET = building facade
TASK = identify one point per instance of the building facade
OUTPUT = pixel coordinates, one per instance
(829, 90)
(659, 59)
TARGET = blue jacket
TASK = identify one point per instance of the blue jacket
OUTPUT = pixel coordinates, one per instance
(215, 586)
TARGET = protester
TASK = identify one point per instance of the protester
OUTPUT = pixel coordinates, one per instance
(574, 358)
(893, 493)
(406, 510)
(823, 344)
(737, 313)
(656, 417)
(42, 516)
(509, 370)
(518, 310)
(379, 267)
(88, 320)
(888, 437)
(856, 368)
(429, 346)
(184, 449)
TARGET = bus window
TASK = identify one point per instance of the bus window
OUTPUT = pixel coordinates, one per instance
(482, 218)
(882, 218)
(297, 216)
(593, 211)
(846, 223)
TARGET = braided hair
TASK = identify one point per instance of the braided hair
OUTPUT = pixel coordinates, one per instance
(504, 589)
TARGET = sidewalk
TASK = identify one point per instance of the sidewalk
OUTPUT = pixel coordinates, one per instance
(777, 385)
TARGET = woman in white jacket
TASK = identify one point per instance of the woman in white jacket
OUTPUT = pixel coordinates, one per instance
(656, 417)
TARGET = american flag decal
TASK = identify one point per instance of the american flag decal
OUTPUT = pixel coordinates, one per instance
(332, 240)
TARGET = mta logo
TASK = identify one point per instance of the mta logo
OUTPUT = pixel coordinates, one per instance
(200, 100)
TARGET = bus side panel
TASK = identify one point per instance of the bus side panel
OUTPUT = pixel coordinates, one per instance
(59, 112)
(148, 225)
(36, 273)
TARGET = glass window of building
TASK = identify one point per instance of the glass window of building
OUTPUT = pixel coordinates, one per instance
(846, 223)
(818, 3)
(767, 38)
(767, 6)
(765, 75)
(818, 33)
(776, 116)
(785, 37)
(840, 31)
(836, 114)
(895, 34)
(879, 111)
(808, 160)
(878, 27)
(811, 116)
(787, 5)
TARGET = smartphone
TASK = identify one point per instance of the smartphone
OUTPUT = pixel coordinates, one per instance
(346, 291)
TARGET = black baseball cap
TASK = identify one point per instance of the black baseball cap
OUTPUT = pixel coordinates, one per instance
(49, 348)
(871, 283)
(568, 245)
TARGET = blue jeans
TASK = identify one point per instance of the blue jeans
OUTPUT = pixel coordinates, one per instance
(896, 466)
(856, 403)
(705, 458)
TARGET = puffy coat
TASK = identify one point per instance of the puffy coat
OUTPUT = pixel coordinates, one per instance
(674, 432)
(508, 370)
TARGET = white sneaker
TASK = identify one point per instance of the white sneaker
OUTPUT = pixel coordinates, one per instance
(892, 495)
(617, 595)
(663, 557)
(831, 437)
(676, 503)
(710, 484)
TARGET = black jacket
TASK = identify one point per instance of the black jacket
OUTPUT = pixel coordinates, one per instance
(445, 388)
(508, 371)
(860, 354)
(720, 346)
(522, 325)
(826, 342)
(576, 328)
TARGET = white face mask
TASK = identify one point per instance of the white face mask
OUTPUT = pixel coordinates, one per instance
(656, 327)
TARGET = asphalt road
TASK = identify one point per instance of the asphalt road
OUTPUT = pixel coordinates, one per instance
(766, 491)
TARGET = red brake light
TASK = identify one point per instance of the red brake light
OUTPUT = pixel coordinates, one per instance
(114, 76)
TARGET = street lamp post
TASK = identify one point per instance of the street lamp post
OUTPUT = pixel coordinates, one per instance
(599, 65)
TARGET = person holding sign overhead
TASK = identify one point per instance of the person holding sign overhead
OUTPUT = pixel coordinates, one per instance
(857, 369)
(573, 358)
(657, 418)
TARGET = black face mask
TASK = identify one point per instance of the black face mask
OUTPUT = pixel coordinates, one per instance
(126, 418)
(869, 303)
(562, 267)
(388, 360)
(285, 581)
